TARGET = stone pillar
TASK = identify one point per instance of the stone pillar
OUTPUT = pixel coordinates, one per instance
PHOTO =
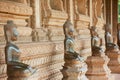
(115, 19)
(35, 20)
(71, 11)
(91, 20)
(108, 11)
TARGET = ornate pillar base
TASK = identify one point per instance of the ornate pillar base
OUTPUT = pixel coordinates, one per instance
(114, 63)
(98, 69)
(74, 70)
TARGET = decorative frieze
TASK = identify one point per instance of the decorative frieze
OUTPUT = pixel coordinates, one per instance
(14, 8)
(46, 57)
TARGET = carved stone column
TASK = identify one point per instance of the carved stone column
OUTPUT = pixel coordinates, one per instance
(36, 21)
(115, 19)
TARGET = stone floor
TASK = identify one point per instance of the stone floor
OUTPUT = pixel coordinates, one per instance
(117, 76)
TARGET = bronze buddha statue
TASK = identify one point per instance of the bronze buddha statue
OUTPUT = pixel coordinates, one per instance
(96, 42)
(12, 53)
(70, 52)
(110, 45)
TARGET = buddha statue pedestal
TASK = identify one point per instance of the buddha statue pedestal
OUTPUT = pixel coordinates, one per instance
(98, 69)
(20, 74)
(114, 63)
(74, 70)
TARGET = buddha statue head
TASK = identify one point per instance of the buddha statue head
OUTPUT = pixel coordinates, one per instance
(68, 29)
(93, 31)
(11, 32)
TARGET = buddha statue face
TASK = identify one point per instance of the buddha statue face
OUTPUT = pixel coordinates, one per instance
(68, 29)
(14, 35)
(11, 31)
(94, 31)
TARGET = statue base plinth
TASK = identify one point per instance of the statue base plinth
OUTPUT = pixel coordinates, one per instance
(74, 70)
(114, 63)
(98, 69)
(20, 74)
(31, 77)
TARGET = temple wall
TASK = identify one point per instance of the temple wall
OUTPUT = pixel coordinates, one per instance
(40, 25)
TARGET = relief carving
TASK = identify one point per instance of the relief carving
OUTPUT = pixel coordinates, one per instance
(56, 5)
(99, 8)
(95, 18)
(15, 8)
(20, 1)
(82, 7)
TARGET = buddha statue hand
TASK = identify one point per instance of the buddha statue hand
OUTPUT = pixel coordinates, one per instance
(78, 56)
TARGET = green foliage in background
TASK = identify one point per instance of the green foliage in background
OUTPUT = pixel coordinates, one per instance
(119, 11)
